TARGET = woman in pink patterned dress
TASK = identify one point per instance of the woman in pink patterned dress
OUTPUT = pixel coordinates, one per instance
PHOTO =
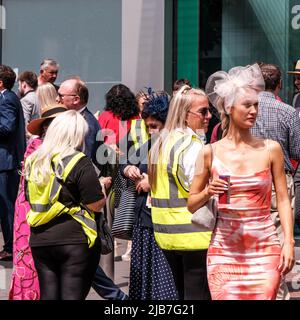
(24, 283)
(245, 260)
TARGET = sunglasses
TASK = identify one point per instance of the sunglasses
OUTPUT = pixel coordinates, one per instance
(203, 111)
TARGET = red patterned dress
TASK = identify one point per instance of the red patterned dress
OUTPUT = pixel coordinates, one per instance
(244, 253)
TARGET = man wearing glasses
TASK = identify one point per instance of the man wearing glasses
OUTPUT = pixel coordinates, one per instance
(74, 94)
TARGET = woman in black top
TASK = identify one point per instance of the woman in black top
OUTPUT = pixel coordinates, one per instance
(65, 254)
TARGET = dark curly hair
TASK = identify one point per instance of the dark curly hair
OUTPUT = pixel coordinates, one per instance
(156, 106)
(121, 102)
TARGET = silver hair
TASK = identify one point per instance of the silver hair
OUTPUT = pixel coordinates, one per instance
(47, 63)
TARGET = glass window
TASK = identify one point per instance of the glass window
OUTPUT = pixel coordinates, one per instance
(238, 32)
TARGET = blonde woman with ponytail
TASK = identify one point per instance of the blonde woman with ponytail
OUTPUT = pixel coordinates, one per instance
(172, 164)
(64, 195)
(220, 129)
(47, 95)
(245, 259)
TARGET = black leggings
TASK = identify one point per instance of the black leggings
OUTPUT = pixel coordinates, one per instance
(66, 272)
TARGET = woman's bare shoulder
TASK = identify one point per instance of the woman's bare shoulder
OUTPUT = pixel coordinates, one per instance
(274, 146)
(259, 143)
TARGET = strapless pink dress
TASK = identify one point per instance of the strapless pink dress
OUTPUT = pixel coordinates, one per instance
(244, 252)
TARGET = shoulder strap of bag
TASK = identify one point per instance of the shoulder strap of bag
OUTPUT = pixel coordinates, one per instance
(76, 202)
(65, 187)
(99, 217)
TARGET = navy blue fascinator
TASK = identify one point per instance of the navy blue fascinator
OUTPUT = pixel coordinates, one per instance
(156, 105)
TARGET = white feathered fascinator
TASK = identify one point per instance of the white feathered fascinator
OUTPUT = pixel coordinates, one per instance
(223, 87)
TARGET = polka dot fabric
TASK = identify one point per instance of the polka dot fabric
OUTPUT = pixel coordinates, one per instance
(150, 275)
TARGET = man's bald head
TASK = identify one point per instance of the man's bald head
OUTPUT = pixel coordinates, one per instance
(73, 93)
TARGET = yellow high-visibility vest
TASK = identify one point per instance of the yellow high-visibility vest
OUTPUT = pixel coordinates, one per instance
(173, 229)
(138, 132)
(44, 204)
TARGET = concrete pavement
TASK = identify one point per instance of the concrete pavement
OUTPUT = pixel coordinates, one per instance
(121, 273)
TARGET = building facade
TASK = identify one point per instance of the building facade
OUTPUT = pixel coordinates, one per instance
(220, 34)
(144, 43)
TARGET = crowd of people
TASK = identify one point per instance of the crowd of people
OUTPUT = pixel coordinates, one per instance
(169, 155)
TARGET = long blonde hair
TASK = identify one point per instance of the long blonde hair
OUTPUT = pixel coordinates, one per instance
(46, 94)
(65, 135)
(179, 108)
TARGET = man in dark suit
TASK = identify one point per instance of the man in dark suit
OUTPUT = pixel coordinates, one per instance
(12, 148)
(74, 94)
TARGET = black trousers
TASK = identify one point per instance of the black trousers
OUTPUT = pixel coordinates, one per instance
(9, 185)
(190, 274)
(66, 272)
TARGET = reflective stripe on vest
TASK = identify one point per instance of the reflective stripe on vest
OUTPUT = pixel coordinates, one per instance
(138, 133)
(167, 203)
(175, 228)
(89, 222)
(172, 225)
(40, 207)
(44, 204)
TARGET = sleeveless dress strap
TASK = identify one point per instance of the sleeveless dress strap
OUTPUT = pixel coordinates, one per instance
(212, 154)
(268, 148)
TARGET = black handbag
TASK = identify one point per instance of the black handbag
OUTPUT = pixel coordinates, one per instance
(105, 236)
